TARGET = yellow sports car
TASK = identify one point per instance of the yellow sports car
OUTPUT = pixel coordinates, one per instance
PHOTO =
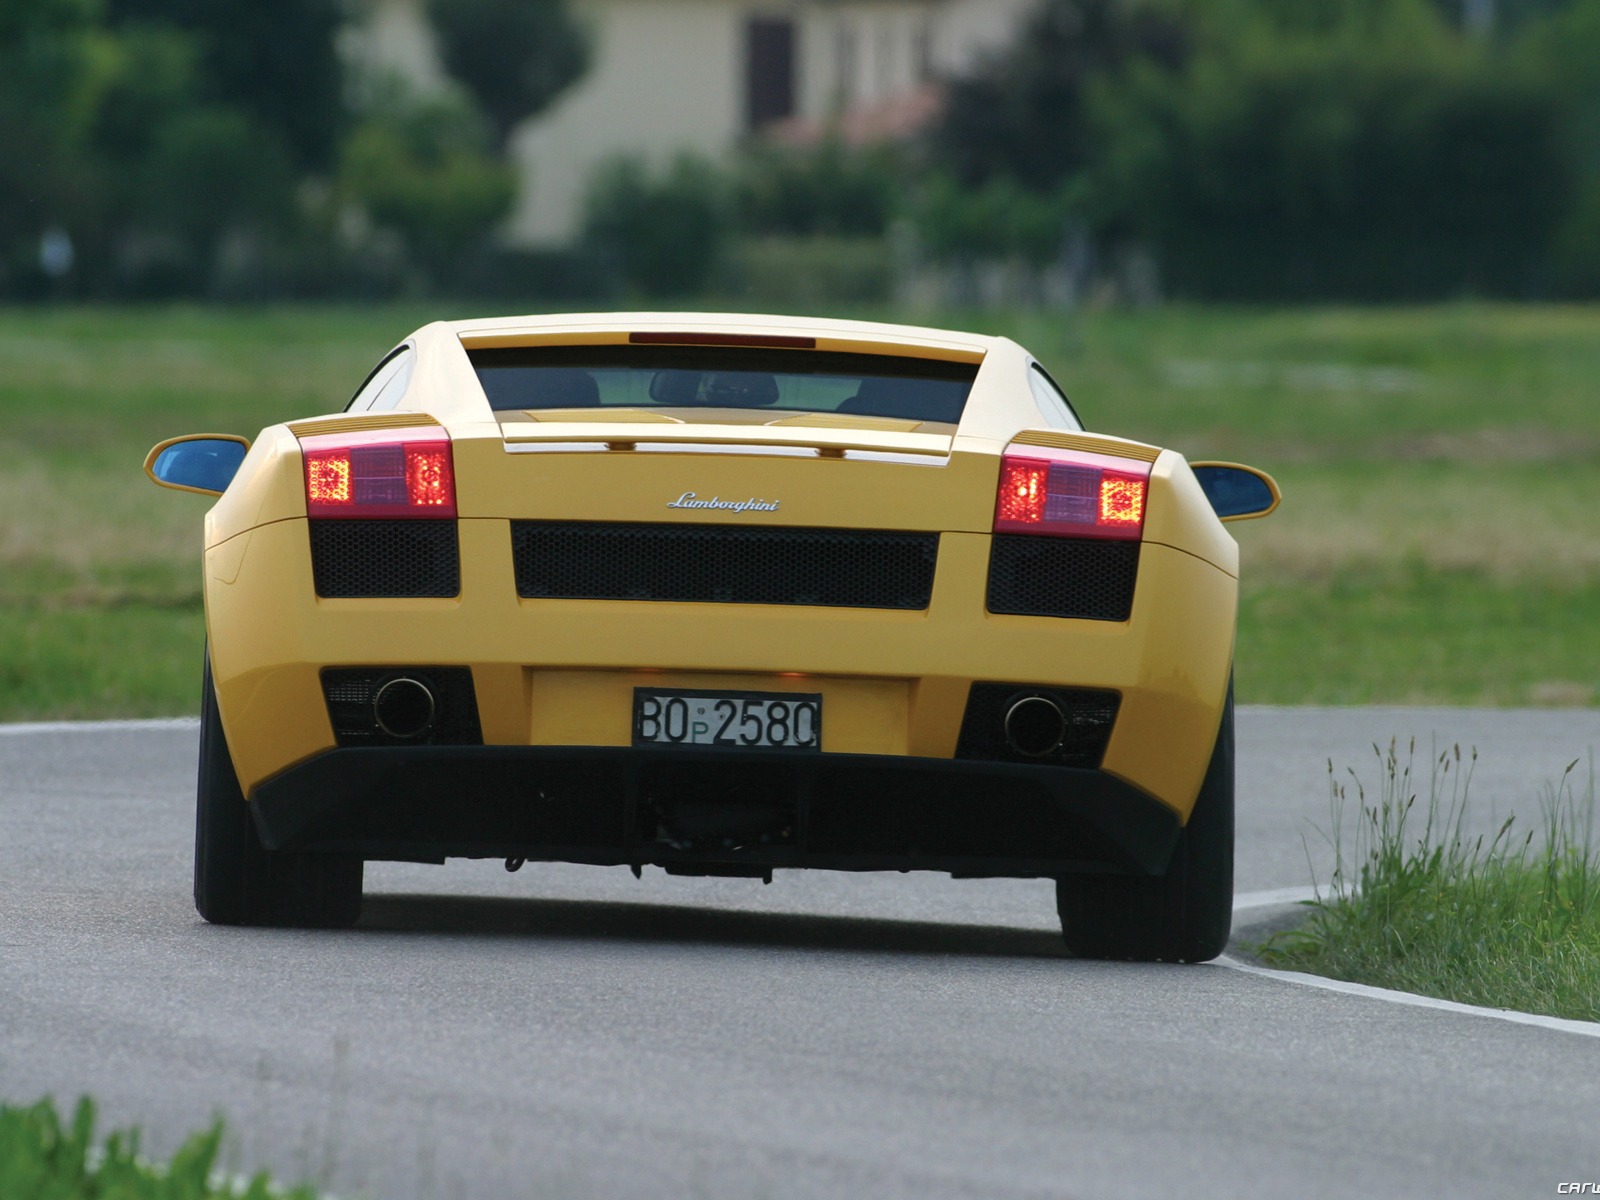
(723, 595)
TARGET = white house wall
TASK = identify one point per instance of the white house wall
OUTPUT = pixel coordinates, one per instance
(856, 54)
(668, 77)
(665, 80)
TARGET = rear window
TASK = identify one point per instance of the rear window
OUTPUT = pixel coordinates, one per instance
(688, 377)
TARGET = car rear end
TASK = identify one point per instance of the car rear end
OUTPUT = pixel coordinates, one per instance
(713, 632)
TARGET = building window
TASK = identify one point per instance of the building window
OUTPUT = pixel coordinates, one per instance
(769, 70)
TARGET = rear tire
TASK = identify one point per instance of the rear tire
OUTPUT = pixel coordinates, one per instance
(237, 881)
(1184, 915)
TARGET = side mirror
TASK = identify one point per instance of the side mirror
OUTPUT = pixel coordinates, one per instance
(1237, 492)
(201, 462)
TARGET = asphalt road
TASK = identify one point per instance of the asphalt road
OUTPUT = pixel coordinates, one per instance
(572, 1032)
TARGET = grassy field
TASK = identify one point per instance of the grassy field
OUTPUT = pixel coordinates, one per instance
(1437, 543)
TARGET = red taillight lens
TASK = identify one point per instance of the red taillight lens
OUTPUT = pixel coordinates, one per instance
(430, 476)
(328, 478)
(1121, 501)
(1022, 490)
(404, 473)
(1071, 495)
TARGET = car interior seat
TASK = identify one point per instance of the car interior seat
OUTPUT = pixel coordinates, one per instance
(563, 387)
(907, 399)
(675, 388)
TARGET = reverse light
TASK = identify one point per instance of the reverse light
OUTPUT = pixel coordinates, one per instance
(380, 473)
(1071, 495)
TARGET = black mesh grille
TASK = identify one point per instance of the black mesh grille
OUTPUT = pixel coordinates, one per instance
(350, 692)
(385, 558)
(1062, 577)
(1090, 714)
(846, 568)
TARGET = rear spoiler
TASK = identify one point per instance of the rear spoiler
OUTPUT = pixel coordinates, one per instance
(621, 435)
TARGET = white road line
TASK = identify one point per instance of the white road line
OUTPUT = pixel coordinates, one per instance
(1585, 1028)
(155, 723)
(1287, 896)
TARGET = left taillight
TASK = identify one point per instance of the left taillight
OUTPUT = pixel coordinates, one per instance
(380, 473)
(1071, 494)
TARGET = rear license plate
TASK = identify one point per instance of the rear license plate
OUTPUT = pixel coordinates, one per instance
(727, 720)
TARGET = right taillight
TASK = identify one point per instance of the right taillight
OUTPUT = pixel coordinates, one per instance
(1072, 494)
(407, 473)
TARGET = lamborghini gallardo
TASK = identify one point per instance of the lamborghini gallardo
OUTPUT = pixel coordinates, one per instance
(718, 595)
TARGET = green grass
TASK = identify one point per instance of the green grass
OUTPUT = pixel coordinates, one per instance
(1413, 635)
(1508, 920)
(43, 1157)
(1441, 468)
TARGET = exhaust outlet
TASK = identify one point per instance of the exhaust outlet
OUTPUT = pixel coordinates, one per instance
(404, 708)
(1035, 726)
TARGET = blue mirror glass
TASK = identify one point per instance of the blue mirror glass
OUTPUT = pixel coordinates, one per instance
(205, 463)
(1234, 492)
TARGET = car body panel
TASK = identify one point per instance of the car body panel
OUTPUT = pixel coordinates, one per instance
(554, 673)
(269, 635)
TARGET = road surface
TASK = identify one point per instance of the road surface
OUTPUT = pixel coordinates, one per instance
(571, 1032)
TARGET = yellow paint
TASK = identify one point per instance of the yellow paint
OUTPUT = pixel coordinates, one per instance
(1091, 442)
(927, 493)
(360, 423)
(614, 329)
(554, 672)
(595, 416)
(838, 438)
(893, 682)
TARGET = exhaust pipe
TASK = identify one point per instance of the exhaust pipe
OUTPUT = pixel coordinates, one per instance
(404, 708)
(1035, 726)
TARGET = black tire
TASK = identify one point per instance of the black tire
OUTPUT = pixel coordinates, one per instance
(237, 881)
(1184, 915)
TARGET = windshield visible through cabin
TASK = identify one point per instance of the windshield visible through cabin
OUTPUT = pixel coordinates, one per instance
(689, 377)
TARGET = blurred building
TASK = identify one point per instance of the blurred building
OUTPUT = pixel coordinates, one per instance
(703, 76)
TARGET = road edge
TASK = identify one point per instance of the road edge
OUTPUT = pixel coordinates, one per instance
(1285, 898)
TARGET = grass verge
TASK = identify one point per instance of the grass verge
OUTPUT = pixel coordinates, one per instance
(43, 1157)
(1505, 919)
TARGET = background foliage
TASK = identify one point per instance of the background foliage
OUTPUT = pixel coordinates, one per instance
(1233, 149)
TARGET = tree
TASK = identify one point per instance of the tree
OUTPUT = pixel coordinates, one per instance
(1564, 50)
(424, 167)
(49, 88)
(828, 190)
(663, 231)
(276, 62)
(515, 56)
(1318, 166)
(1023, 113)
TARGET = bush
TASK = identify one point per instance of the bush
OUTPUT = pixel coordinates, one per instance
(829, 190)
(810, 272)
(660, 233)
(1318, 169)
(423, 168)
(1000, 220)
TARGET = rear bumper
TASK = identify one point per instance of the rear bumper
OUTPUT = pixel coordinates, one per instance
(718, 811)
(550, 674)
